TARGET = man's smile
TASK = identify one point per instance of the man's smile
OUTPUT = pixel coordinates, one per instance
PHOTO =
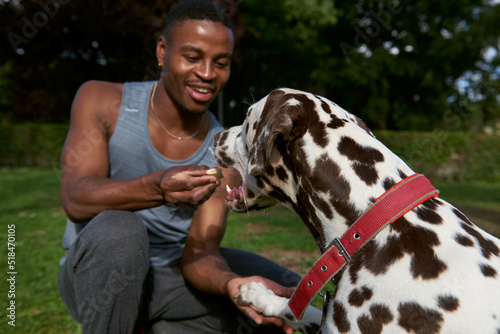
(200, 94)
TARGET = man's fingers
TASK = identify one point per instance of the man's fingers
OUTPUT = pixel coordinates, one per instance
(201, 194)
(256, 317)
(189, 183)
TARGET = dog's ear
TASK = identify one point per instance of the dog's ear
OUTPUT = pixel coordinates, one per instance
(282, 121)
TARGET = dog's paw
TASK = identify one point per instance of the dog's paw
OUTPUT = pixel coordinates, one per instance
(264, 300)
(268, 304)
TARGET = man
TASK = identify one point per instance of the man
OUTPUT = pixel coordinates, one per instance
(144, 219)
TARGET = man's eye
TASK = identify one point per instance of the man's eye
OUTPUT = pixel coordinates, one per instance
(222, 64)
(191, 58)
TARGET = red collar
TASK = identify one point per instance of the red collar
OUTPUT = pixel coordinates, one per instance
(388, 208)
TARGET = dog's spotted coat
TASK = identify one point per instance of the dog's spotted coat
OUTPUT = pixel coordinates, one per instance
(432, 271)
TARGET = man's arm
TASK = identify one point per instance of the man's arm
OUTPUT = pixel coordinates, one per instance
(205, 268)
(86, 189)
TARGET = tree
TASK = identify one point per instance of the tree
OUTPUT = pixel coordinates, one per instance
(51, 47)
(279, 44)
(396, 63)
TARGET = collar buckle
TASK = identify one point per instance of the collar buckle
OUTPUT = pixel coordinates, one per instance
(342, 251)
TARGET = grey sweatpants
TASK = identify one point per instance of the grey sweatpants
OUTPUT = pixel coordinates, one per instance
(109, 287)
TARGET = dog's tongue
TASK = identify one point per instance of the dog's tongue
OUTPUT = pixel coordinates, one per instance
(234, 194)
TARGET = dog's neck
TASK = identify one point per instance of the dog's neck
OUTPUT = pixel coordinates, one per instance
(340, 198)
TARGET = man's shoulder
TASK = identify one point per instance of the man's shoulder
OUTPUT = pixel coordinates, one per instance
(98, 100)
(101, 89)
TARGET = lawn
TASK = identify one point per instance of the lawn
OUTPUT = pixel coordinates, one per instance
(30, 203)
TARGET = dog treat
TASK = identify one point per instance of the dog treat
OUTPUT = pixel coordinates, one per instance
(215, 171)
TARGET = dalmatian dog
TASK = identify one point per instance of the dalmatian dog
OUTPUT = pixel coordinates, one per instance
(430, 271)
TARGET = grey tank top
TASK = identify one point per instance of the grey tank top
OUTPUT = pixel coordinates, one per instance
(132, 154)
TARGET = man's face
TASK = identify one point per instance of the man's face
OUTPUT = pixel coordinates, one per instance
(196, 63)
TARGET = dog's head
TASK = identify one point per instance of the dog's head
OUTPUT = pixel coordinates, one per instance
(301, 150)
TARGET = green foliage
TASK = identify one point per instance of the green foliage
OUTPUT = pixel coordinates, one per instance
(31, 145)
(279, 43)
(399, 65)
(395, 64)
(55, 46)
(450, 156)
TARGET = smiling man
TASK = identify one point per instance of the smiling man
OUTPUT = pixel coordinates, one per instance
(145, 214)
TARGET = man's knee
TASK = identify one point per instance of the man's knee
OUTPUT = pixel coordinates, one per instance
(119, 236)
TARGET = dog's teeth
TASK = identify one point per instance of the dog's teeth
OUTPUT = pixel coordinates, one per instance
(227, 188)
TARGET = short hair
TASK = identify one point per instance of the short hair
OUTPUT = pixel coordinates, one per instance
(195, 10)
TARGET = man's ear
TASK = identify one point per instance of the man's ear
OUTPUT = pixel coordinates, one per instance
(161, 49)
(279, 119)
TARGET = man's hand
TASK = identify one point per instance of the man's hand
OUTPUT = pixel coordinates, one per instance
(233, 286)
(188, 185)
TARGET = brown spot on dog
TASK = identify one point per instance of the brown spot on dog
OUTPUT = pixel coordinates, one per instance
(358, 296)
(282, 174)
(402, 174)
(246, 127)
(222, 137)
(224, 160)
(488, 271)
(413, 240)
(388, 183)
(363, 126)
(427, 212)
(464, 240)
(379, 316)
(362, 154)
(308, 214)
(366, 173)
(488, 247)
(357, 261)
(335, 186)
(324, 104)
(260, 182)
(462, 217)
(340, 318)
(316, 128)
(363, 158)
(419, 242)
(336, 123)
(419, 320)
(448, 303)
(269, 171)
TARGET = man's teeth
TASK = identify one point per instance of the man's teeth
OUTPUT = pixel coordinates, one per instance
(202, 90)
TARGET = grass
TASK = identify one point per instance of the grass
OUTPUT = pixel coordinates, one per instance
(30, 201)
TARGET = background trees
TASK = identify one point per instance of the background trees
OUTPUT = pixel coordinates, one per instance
(397, 64)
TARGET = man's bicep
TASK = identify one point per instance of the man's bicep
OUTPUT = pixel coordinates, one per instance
(85, 151)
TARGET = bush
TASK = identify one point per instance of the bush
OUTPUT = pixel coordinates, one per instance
(440, 155)
(31, 145)
(447, 156)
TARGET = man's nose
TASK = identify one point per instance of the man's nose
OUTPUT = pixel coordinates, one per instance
(206, 71)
